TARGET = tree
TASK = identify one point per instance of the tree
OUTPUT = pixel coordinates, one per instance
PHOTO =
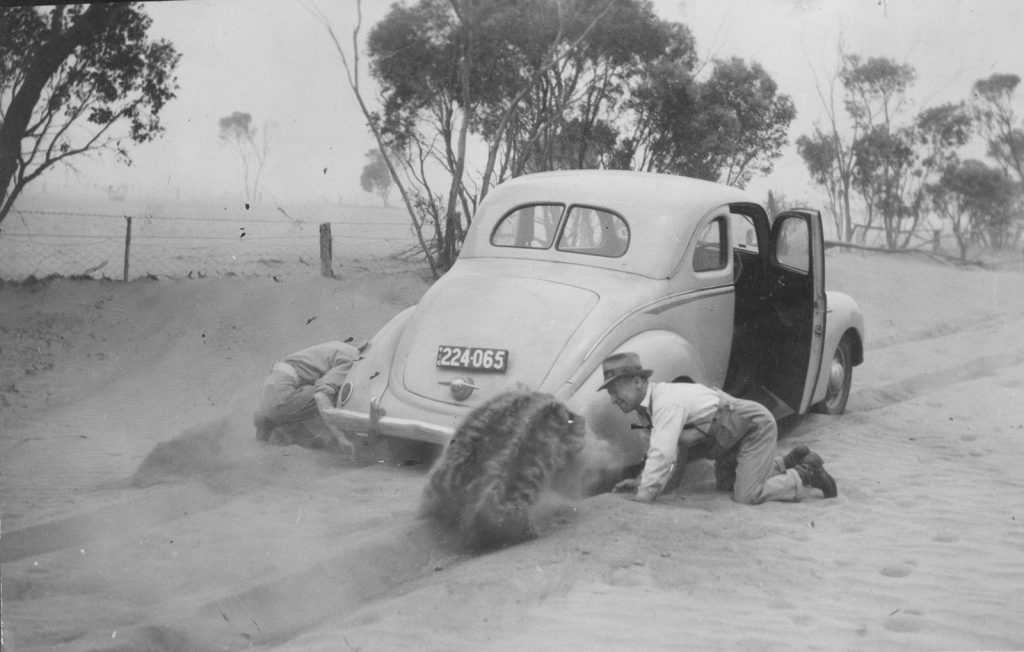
(726, 128)
(825, 158)
(829, 156)
(375, 176)
(998, 122)
(875, 95)
(882, 160)
(1003, 129)
(752, 118)
(977, 200)
(885, 161)
(498, 71)
(351, 68)
(568, 116)
(69, 75)
(541, 85)
(252, 147)
(938, 132)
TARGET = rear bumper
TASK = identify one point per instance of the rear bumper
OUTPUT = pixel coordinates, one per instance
(376, 423)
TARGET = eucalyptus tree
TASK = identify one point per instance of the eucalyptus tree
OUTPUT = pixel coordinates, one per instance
(251, 145)
(1002, 126)
(829, 161)
(726, 128)
(375, 177)
(879, 155)
(998, 121)
(76, 79)
(977, 201)
(550, 84)
(876, 94)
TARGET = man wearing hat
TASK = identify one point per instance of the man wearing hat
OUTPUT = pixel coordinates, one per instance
(287, 409)
(683, 415)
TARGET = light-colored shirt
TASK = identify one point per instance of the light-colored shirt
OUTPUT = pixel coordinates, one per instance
(324, 365)
(672, 407)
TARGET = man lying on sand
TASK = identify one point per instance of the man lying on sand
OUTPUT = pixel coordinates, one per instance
(287, 412)
(740, 435)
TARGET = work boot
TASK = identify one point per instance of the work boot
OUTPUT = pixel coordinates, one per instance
(796, 455)
(812, 474)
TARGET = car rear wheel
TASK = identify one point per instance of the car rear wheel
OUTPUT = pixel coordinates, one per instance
(840, 375)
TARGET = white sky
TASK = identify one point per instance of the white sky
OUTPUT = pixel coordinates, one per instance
(275, 61)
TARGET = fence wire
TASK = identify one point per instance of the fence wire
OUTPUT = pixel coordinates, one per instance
(41, 243)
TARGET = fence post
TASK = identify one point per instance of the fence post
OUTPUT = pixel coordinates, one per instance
(326, 254)
(127, 244)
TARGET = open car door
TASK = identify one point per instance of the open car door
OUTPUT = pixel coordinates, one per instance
(795, 293)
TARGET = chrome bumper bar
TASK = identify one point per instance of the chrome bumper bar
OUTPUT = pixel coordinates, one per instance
(351, 423)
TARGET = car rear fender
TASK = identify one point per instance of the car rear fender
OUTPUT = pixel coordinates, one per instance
(670, 356)
(368, 379)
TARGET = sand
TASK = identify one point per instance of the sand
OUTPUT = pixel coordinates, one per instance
(139, 512)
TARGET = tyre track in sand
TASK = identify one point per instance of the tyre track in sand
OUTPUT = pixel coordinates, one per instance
(893, 373)
(189, 592)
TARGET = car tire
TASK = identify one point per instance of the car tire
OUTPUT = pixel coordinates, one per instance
(840, 376)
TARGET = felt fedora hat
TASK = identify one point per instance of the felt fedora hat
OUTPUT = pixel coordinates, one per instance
(622, 364)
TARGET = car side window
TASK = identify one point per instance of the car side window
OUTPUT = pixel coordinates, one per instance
(792, 244)
(711, 252)
(528, 227)
(594, 232)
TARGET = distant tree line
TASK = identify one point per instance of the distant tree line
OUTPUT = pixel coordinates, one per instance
(552, 84)
(906, 170)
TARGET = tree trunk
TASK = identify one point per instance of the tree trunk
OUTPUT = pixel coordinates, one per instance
(48, 60)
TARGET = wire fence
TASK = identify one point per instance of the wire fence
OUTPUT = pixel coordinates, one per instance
(41, 243)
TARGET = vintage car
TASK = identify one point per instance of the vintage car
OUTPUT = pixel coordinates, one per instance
(561, 269)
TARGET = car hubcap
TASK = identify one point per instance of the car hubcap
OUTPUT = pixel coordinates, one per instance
(836, 377)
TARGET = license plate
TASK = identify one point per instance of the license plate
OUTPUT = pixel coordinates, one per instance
(472, 358)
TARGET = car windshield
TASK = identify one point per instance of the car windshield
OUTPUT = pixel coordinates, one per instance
(585, 230)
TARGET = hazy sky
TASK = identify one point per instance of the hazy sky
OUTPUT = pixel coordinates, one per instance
(275, 61)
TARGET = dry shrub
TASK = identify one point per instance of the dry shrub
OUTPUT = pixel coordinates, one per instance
(500, 460)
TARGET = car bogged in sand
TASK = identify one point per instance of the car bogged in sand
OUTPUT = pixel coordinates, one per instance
(561, 269)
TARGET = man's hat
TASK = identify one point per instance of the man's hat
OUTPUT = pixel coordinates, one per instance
(622, 364)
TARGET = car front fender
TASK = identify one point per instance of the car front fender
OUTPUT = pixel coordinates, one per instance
(843, 319)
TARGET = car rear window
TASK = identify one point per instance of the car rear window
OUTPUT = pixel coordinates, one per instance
(529, 227)
(594, 232)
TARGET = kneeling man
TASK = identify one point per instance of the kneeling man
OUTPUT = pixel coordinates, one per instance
(728, 429)
(287, 410)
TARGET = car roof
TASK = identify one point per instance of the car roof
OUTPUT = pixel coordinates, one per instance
(661, 210)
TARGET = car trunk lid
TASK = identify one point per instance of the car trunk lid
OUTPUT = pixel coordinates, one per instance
(530, 318)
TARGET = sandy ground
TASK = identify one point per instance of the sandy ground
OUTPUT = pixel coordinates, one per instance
(139, 513)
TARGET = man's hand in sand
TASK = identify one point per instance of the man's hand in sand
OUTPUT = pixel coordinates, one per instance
(629, 484)
(637, 498)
